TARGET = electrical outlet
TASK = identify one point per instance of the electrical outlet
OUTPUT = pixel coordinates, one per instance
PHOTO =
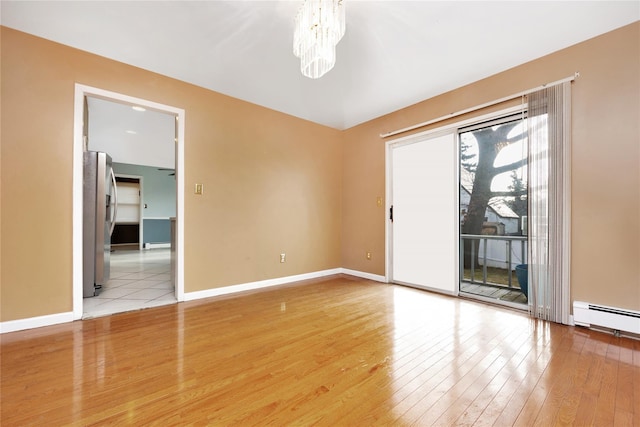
(369, 256)
(379, 201)
(283, 257)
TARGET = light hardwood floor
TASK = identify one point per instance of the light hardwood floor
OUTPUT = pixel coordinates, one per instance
(336, 351)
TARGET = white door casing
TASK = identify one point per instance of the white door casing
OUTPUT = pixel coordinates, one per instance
(80, 92)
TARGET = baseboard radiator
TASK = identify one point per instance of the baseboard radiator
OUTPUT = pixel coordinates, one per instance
(618, 319)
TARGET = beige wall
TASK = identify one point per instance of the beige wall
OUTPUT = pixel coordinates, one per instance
(275, 183)
(272, 182)
(605, 264)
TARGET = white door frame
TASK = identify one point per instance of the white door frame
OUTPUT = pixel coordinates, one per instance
(80, 92)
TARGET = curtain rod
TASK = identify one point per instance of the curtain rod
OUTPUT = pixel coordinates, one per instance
(479, 107)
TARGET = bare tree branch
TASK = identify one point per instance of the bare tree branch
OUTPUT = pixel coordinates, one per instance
(508, 193)
(516, 138)
(511, 166)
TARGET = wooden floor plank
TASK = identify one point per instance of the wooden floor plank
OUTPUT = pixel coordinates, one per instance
(605, 407)
(508, 395)
(331, 351)
(532, 372)
(624, 391)
(566, 415)
(559, 396)
(634, 346)
(476, 413)
(469, 388)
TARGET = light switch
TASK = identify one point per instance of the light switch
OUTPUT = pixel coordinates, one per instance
(199, 189)
(379, 201)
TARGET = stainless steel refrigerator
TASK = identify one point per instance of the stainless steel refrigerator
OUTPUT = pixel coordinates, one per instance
(100, 208)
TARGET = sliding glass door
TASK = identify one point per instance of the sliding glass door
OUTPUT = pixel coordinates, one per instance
(424, 228)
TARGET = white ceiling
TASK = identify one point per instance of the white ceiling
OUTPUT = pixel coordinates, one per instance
(394, 53)
(130, 136)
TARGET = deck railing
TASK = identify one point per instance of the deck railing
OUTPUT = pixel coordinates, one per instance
(483, 251)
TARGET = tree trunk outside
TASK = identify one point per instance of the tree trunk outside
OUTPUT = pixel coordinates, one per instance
(488, 140)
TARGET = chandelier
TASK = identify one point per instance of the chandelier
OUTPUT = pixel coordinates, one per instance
(319, 26)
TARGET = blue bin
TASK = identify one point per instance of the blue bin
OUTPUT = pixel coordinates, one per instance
(522, 273)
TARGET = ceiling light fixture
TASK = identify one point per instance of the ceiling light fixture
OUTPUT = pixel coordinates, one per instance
(138, 108)
(319, 26)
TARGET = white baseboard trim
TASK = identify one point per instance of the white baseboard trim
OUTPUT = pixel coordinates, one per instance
(364, 275)
(208, 293)
(157, 245)
(35, 322)
(54, 319)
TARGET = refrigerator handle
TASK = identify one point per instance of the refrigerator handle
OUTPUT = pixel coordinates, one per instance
(115, 203)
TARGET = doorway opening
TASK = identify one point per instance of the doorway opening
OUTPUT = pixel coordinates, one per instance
(166, 262)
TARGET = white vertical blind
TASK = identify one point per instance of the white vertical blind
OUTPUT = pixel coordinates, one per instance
(549, 133)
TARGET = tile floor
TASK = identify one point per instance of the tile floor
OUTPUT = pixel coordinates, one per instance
(139, 279)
